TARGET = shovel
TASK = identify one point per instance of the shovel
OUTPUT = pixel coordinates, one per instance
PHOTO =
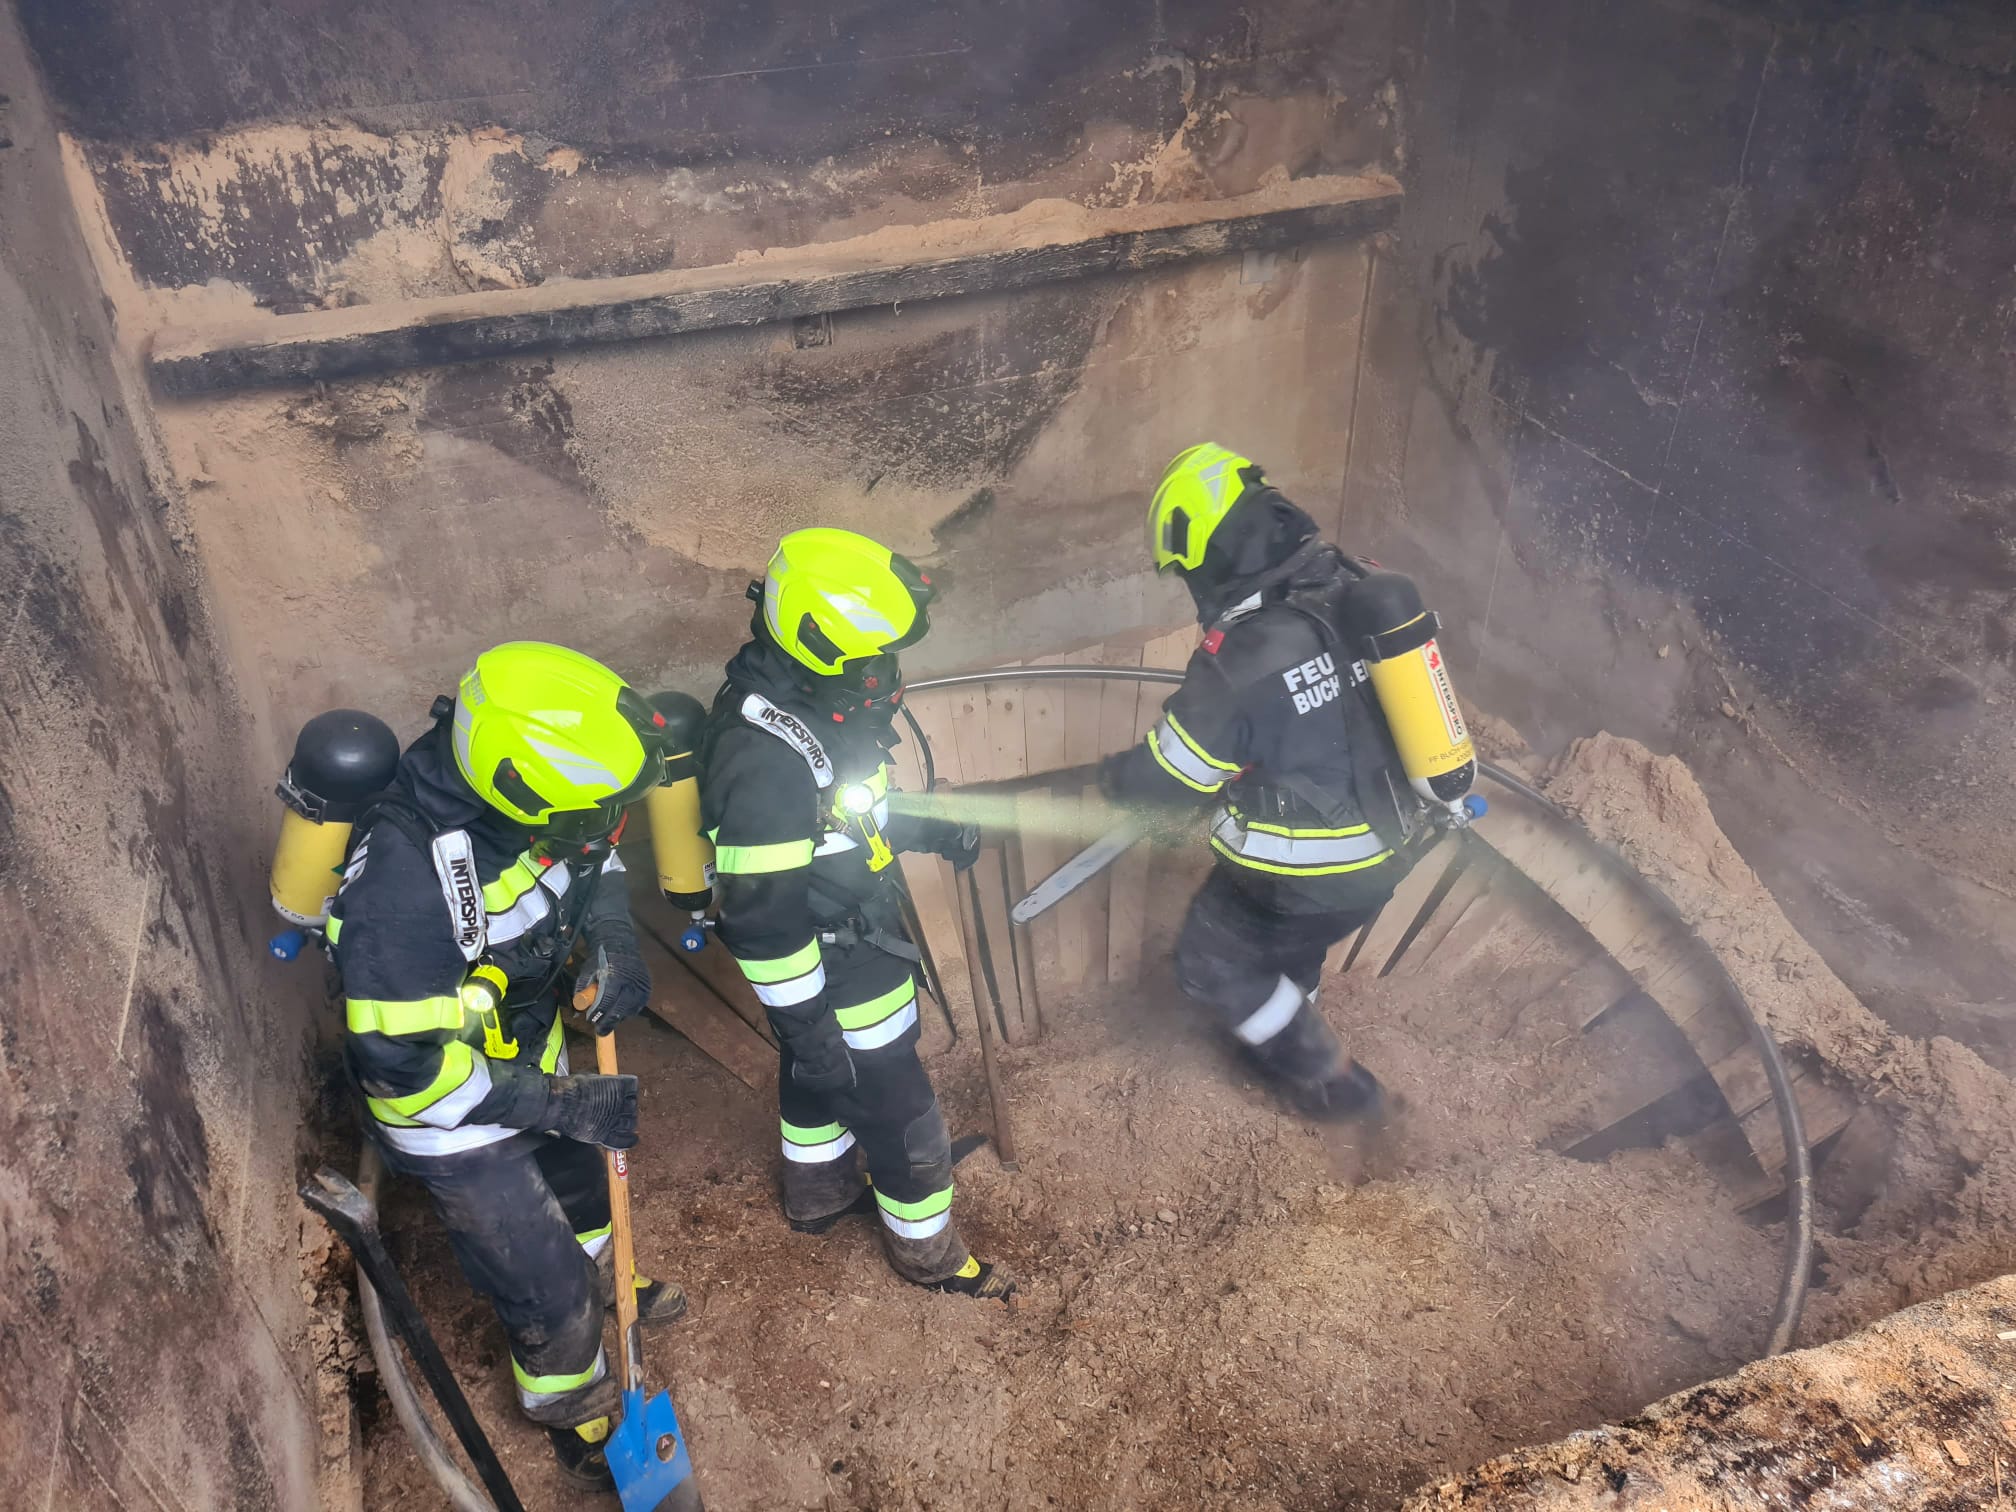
(646, 1451)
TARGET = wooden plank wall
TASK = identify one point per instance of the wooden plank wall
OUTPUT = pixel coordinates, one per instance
(1018, 759)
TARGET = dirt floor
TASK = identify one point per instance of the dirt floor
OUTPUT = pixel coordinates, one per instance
(1226, 1307)
(1216, 1311)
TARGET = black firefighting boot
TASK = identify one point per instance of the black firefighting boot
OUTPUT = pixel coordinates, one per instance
(580, 1451)
(978, 1278)
(1352, 1095)
(863, 1203)
(657, 1301)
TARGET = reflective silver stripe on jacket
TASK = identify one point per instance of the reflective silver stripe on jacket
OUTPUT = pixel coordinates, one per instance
(1294, 850)
(425, 1141)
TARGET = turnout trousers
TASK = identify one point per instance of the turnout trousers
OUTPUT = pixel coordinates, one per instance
(526, 1218)
(889, 1120)
(1257, 964)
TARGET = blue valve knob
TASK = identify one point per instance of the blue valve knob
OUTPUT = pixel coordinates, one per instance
(694, 940)
(286, 945)
(1475, 806)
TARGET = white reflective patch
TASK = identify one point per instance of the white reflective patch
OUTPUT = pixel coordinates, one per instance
(834, 842)
(1176, 751)
(881, 1033)
(819, 1154)
(530, 908)
(425, 1141)
(1272, 1016)
(917, 1228)
(452, 1109)
(455, 867)
(800, 989)
(793, 731)
(1295, 850)
(594, 1247)
(612, 863)
(557, 879)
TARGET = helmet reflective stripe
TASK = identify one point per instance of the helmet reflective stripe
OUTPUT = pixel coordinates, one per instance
(860, 614)
(576, 767)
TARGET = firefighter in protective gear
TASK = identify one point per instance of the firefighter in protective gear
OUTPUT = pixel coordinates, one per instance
(1313, 814)
(470, 883)
(796, 797)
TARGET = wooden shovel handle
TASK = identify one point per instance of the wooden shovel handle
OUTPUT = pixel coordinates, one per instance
(619, 1219)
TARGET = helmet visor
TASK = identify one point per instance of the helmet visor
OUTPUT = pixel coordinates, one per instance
(872, 681)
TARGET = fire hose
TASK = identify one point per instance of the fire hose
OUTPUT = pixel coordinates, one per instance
(1798, 1252)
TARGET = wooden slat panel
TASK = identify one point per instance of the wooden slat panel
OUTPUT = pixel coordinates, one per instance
(1043, 849)
(1081, 918)
(966, 708)
(1127, 918)
(685, 1002)
(1018, 1020)
(1006, 719)
(1399, 911)
(1021, 941)
(1824, 1111)
(930, 881)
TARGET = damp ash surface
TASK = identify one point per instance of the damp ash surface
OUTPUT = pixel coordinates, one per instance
(1223, 1306)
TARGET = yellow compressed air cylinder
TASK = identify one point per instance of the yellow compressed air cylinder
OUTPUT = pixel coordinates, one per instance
(340, 760)
(684, 856)
(1410, 679)
(307, 865)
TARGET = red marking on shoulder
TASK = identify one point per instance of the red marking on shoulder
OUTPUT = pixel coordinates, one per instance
(1213, 641)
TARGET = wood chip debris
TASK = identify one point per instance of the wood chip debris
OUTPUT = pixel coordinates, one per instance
(1959, 1454)
(2007, 1333)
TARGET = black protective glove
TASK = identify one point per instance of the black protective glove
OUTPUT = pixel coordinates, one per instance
(959, 844)
(622, 986)
(822, 1066)
(597, 1110)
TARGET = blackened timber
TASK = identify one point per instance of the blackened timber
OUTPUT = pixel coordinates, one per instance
(992, 256)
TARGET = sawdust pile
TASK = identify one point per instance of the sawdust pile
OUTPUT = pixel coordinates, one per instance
(1944, 1214)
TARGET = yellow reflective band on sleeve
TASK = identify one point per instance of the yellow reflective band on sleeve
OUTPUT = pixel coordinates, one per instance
(457, 1063)
(369, 1015)
(556, 1041)
(804, 1134)
(512, 884)
(756, 860)
(1229, 768)
(1155, 750)
(876, 1009)
(333, 930)
(781, 968)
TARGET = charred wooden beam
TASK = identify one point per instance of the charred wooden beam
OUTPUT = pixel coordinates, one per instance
(994, 255)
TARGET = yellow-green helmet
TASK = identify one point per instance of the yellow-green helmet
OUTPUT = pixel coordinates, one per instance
(836, 602)
(555, 740)
(1197, 491)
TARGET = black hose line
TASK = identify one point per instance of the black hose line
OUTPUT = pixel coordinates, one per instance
(1798, 1263)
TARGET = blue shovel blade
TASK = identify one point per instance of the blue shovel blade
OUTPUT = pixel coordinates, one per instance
(647, 1452)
